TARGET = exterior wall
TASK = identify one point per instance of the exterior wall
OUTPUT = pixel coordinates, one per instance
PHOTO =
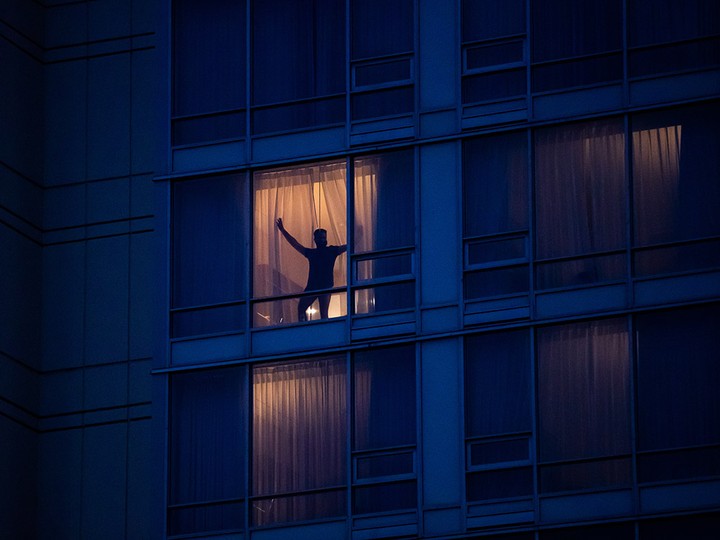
(78, 240)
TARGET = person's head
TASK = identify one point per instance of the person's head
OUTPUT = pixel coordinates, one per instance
(320, 237)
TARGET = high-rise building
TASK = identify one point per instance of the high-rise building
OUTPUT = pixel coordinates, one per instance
(363, 269)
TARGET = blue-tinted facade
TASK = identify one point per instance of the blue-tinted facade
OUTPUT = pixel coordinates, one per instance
(516, 334)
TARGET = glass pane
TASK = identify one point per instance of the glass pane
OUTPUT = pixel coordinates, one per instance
(299, 309)
(585, 72)
(383, 103)
(699, 527)
(208, 240)
(500, 484)
(678, 57)
(381, 28)
(301, 507)
(384, 201)
(300, 54)
(382, 72)
(497, 383)
(299, 433)
(214, 517)
(583, 390)
(485, 453)
(495, 184)
(207, 442)
(578, 272)
(496, 282)
(208, 321)
(678, 378)
(666, 260)
(493, 55)
(485, 251)
(586, 475)
(662, 21)
(494, 86)
(209, 56)
(679, 464)
(567, 28)
(580, 188)
(384, 465)
(208, 128)
(382, 267)
(385, 298)
(299, 115)
(384, 399)
(384, 498)
(487, 19)
(675, 170)
(310, 255)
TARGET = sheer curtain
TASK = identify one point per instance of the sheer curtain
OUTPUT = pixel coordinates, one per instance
(299, 439)
(306, 198)
(207, 450)
(580, 199)
(584, 386)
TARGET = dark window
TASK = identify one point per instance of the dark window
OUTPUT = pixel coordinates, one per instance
(208, 254)
(207, 449)
(702, 527)
(584, 405)
(381, 28)
(208, 69)
(489, 19)
(679, 407)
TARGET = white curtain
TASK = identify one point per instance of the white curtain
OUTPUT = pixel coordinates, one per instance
(306, 198)
(299, 439)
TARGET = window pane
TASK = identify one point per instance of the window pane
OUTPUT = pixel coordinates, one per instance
(382, 72)
(567, 28)
(586, 475)
(209, 55)
(496, 282)
(400, 296)
(207, 442)
(485, 251)
(384, 401)
(379, 466)
(500, 484)
(583, 271)
(207, 128)
(485, 453)
(679, 464)
(383, 267)
(580, 188)
(497, 383)
(495, 54)
(701, 527)
(306, 198)
(208, 320)
(583, 390)
(381, 28)
(384, 201)
(299, 433)
(677, 57)
(585, 72)
(380, 103)
(273, 312)
(493, 86)
(675, 170)
(495, 184)
(677, 258)
(487, 19)
(299, 115)
(385, 497)
(616, 531)
(662, 21)
(678, 378)
(208, 241)
(298, 49)
(302, 507)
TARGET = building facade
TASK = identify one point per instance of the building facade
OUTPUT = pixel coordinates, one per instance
(511, 335)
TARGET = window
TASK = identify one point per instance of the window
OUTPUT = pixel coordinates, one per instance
(382, 58)
(207, 452)
(576, 43)
(495, 215)
(384, 427)
(208, 70)
(384, 233)
(584, 438)
(209, 252)
(580, 192)
(678, 403)
(667, 36)
(299, 64)
(675, 189)
(494, 44)
(306, 198)
(498, 426)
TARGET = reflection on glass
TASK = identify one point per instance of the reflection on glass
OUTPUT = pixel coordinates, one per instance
(271, 313)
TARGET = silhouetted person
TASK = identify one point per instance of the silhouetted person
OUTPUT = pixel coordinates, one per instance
(321, 261)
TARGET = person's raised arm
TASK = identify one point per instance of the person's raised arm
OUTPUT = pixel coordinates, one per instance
(289, 237)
